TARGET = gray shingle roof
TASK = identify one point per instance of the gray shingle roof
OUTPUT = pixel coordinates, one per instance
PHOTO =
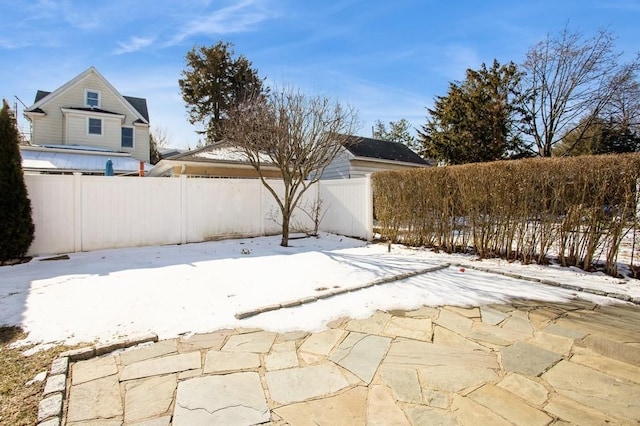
(140, 104)
(40, 94)
(383, 150)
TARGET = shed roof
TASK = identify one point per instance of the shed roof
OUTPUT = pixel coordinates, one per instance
(381, 149)
(76, 159)
(217, 152)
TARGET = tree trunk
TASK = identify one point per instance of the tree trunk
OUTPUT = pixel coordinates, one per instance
(285, 229)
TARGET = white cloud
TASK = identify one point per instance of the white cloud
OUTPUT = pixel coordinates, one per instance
(134, 44)
(6, 43)
(240, 17)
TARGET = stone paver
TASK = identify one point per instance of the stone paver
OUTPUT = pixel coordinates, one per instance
(600, 391)
(148, 351)
(571, 411)
(525, 388)
(421, 354)
(232, 399)
(403, 382)
(301, 383)
(454, 322)
(528, 359)
(283, 355)
(219, 362)
(347, 408)
(322, 343)
(148, 398)
(431, 416)
(97, 399)
(361, 354)
(411, 328)
(258, 342)
(85, 371)
(551, 342)
(449, 379)
(163, 365)
(382, 409)
(528, 362)
(469, 412)
(512, 408)
(205, 340)
(375, 324)
(499, 336)
(492, 316)
(609, 366)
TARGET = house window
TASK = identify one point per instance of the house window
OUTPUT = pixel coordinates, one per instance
(92, 99)
(127, 137)
(94, 126)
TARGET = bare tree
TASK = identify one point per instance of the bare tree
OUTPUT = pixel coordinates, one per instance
(158, 139)
(571, 80)
(298, 134)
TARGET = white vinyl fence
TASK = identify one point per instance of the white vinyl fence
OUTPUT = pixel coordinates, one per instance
(75, 213)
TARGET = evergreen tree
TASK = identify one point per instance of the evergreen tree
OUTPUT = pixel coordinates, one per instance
(154, 152)
(16, 225)
(398, 131)
(478, 119)
(215, 81)
(595, 136)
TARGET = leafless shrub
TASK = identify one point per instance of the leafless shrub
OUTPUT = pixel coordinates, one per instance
(570, 208)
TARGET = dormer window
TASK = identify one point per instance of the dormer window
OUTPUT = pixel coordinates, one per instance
(92, 98)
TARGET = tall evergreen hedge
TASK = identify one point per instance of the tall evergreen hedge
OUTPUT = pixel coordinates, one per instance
(16, 224)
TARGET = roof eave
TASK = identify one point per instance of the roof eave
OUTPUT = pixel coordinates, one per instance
(65, 111)
(386, 161)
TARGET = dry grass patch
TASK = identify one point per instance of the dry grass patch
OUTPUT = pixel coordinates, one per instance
(18, 402)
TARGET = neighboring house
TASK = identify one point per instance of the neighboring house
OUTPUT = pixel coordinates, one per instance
(360, 156)
(170, 152)
(218, 160)
(88, 111)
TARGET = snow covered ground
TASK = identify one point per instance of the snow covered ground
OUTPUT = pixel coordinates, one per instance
(172, 290)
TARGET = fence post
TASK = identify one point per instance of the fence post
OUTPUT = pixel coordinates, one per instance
(183, 209)
(77, 212)
(368, 193)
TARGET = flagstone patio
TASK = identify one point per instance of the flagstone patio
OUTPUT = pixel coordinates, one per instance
(528, 362)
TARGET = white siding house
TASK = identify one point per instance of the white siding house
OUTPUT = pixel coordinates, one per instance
(360, 156)
(88, 111)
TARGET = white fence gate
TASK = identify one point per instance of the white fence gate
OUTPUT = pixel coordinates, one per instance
(81, 213)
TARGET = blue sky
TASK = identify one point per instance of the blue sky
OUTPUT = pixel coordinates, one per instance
(388, 59)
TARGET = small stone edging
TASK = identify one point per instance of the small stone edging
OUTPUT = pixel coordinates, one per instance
(50, 407)
(337, 292)
(310, 299)
(619, 296)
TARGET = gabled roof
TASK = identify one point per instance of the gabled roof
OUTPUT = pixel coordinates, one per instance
(138, 106)
(381, 150)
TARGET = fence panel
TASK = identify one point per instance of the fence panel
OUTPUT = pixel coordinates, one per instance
(219, 208)
(52, 206)
(126, 212)
(348, 205)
